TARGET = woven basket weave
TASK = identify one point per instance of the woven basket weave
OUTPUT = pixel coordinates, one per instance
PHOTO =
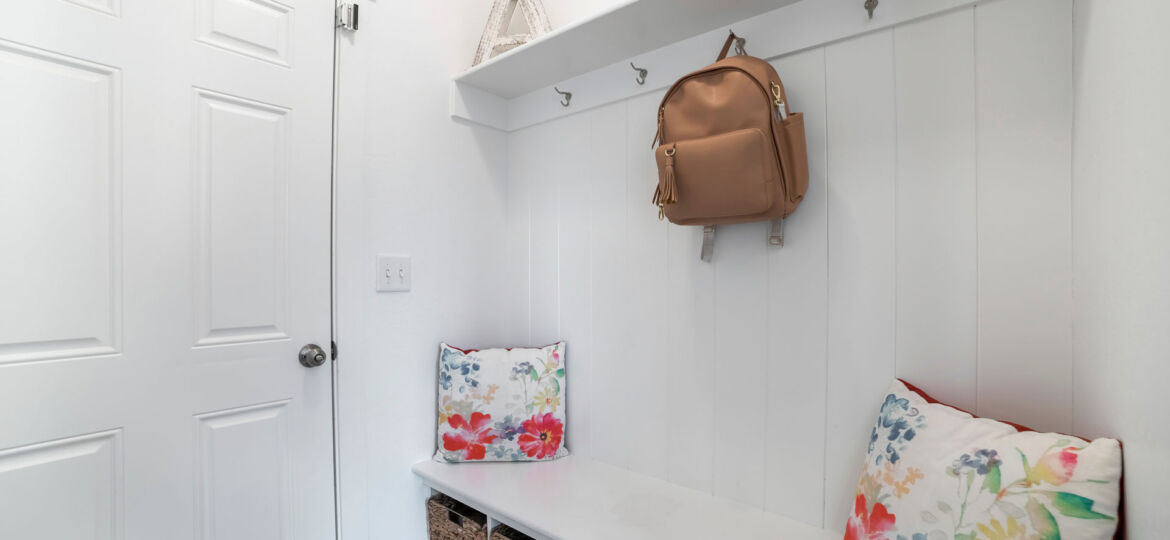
(449, 519)
(504, 532)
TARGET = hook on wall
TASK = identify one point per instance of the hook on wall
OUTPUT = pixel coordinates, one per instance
(739, 43)
(568, 96)
(871, 5)
(642, 72)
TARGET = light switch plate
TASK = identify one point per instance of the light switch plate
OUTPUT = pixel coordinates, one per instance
(392, 273)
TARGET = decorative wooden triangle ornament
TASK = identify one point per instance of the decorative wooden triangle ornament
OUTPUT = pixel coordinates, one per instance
(496, 39)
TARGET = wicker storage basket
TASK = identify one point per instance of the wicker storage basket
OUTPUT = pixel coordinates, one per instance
(449, 519)
(504, 532)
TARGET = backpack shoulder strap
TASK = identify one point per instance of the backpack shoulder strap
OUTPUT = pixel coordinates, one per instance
(776, 233)
(708, 243)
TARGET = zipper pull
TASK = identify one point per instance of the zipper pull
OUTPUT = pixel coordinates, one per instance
(781, 107)
(658, 134)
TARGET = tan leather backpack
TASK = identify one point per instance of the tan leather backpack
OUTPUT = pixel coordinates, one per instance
(728, 148)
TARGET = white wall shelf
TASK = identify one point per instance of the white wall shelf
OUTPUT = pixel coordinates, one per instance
(625, 31)
(668, 37)
(575, 497)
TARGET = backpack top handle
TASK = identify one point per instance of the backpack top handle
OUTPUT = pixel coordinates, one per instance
(732, 38)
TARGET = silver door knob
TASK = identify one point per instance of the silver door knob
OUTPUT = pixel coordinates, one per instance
(312, 355)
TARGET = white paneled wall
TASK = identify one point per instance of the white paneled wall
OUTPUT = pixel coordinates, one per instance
(935, 229)
(409, 181)
(862, 149)
(1024, 98)
(933, 245)
(1122, 224)
(797, 338)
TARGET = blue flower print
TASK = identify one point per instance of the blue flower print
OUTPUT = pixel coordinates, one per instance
(982, 461)
(897, 424)
(467, 367)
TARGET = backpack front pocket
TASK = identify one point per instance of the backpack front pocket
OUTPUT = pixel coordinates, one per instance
(721, 176)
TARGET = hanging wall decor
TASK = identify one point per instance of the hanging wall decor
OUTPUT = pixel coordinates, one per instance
(497, 36)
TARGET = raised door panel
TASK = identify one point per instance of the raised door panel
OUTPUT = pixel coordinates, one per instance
(60, 182)
(240, 220)
(243, 479)
(78, 480)
(260, 29)
(109, 7)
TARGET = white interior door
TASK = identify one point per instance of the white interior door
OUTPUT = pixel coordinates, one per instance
(164, 235)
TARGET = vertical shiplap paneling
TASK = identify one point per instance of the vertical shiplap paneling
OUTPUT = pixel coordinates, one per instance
(741, 344)
(933, 244)
(861, 168)
(1024, 96)
(575, 248)
(607, 155)
(796, 331)
(645, 267)
(518, 282)
(1122, 227)
(543, 234)
(690, 353)
(936, 278)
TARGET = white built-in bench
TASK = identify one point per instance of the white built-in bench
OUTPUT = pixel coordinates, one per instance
(578, 498)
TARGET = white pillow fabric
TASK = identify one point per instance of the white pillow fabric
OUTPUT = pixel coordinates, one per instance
(501, 404)
(934, 472)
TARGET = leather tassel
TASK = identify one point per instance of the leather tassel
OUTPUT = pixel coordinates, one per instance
(670, 187)
(667, 190)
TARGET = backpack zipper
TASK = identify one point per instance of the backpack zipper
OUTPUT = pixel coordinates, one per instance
(658, 134)
(773, 96)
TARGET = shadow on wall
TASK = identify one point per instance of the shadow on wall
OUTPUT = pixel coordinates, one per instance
(409, 181)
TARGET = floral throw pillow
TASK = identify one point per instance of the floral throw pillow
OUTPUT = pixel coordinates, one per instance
(501, 404)
(933, 472)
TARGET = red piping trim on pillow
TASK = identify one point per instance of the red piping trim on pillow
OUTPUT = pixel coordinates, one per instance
(929, 399)
(466, 351)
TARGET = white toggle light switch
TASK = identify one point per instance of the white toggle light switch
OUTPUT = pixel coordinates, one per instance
(393, 273)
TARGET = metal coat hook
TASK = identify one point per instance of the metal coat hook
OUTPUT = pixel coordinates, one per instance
(871, 5)
(739, 43)
(568, 96)
(642, 72)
